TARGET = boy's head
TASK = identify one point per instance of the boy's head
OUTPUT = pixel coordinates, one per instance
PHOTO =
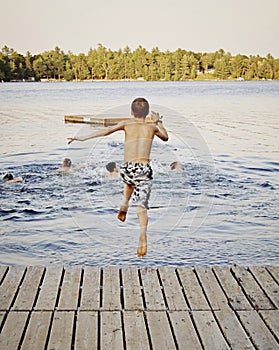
(8, 177)
(140, 107)
(111, 166)
(67, 162)
(176, 166)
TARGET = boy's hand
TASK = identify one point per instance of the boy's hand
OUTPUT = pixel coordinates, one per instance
(70, 139)
(155, 116)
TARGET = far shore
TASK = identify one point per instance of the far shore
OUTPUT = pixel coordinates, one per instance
(127, 80)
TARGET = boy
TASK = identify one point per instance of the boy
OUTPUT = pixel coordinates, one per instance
(112, 169)
(66, 165)
(136, 171)
(9, 178)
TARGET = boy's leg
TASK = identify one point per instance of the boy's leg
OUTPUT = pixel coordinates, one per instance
(128, 190)
(143, 222)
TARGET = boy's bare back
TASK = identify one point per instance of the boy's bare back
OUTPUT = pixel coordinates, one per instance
(138, 140)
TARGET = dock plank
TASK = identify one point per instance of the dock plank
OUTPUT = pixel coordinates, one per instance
(234, 293)
(258, 331)
(233, 330)
(49, 289)
(37, 331)
(192, 289)
(29, 288)
(87, 330)
(172, 289)
(12, 331)
(10, 286)
(131, 289)
(139, 308)
(213, 291)
(154, 299)
(136, 337)
(271, 318)
(61, 331)
(2, 315)
(90, 297)
(70, 288)
(184, 330)
(160, 330)
(209, 331)
(111, 288)
(274, 270)
(111, 330)
(253, 291)
(267, 283)
(3, 270)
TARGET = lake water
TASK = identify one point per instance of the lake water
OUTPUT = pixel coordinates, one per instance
(222, 209)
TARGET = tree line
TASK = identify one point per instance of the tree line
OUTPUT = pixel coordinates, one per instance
(140, 64)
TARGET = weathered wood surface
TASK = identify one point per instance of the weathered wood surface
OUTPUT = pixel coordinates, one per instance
(97, 121)
(92, 120)
(77, 307)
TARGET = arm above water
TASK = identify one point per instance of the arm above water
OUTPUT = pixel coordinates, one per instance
(106, 132)
(160, 130)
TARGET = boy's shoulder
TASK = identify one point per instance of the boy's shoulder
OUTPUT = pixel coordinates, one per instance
(133, 121)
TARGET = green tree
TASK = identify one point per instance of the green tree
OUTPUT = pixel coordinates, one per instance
(58, 59)
(276, 69)
(80, 67)
(103, 63)
(28, 65)
(252, 69)
(239, 65)
(40, 67)
(2, 67)
(221, 68)
(68, 74)
(188, 65)
(140, 59)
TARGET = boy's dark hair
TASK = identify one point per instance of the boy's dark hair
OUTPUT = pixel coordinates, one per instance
(8, 177)
(173, 165)
(110, 166)
(140, 107)
(67, 162)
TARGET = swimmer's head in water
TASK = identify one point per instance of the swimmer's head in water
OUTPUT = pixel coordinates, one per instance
(67, 162)
(176, 166)
(111, 166)
(8, 177)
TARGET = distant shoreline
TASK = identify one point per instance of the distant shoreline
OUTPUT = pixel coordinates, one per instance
(130, 80)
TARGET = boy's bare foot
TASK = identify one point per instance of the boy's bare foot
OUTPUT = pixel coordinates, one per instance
(142, 248)
(122, 213)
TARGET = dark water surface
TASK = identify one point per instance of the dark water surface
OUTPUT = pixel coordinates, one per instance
(222, 209)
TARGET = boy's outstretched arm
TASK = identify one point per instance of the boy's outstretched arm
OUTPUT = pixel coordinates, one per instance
(108, 131)
(160, 130)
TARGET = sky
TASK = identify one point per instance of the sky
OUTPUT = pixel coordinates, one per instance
(247, 27)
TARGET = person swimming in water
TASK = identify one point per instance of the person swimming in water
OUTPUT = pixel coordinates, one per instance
(113, 170)
(66, 165)
(9, 178)
(176, 166)
(136, 171)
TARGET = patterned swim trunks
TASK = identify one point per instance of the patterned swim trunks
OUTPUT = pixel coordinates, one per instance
(140, 176)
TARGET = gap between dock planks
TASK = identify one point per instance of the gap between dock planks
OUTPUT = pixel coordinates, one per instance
(78, 307)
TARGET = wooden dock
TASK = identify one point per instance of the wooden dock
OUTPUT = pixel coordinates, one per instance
(112, 308)
(98, 121)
